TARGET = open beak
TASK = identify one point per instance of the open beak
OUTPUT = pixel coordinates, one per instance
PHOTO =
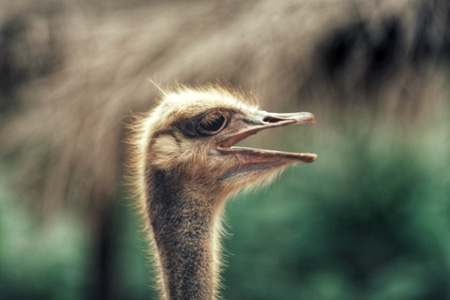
(240, 128)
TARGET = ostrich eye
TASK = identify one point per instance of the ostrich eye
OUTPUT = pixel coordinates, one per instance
(211, 123)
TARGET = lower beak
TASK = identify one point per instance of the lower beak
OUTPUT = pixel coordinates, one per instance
(239, 129)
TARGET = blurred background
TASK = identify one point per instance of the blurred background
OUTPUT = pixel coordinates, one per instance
(370, 219)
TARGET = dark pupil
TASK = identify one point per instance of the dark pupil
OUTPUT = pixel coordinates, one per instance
(212, 123)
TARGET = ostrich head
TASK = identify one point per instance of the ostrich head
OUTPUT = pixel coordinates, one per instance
(193, 132)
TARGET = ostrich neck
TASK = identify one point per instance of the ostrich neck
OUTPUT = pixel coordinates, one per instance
(183, 224)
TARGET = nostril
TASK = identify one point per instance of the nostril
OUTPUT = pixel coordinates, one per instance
(270, 119)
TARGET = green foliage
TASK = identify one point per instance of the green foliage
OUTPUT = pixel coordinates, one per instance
(133, 262)
(369, 219)
(39, 260)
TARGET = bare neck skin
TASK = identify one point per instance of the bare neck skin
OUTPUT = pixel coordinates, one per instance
(183, 224)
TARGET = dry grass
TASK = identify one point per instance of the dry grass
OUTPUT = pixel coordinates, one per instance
(69, 136)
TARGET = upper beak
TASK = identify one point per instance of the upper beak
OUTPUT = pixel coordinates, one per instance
(239, 129)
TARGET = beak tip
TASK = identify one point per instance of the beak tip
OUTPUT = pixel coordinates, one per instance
(305, 117)
(311, 158)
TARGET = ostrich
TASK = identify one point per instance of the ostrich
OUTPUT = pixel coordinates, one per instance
(186, 165)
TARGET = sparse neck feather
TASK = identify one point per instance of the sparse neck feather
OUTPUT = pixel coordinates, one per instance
(184, 224)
